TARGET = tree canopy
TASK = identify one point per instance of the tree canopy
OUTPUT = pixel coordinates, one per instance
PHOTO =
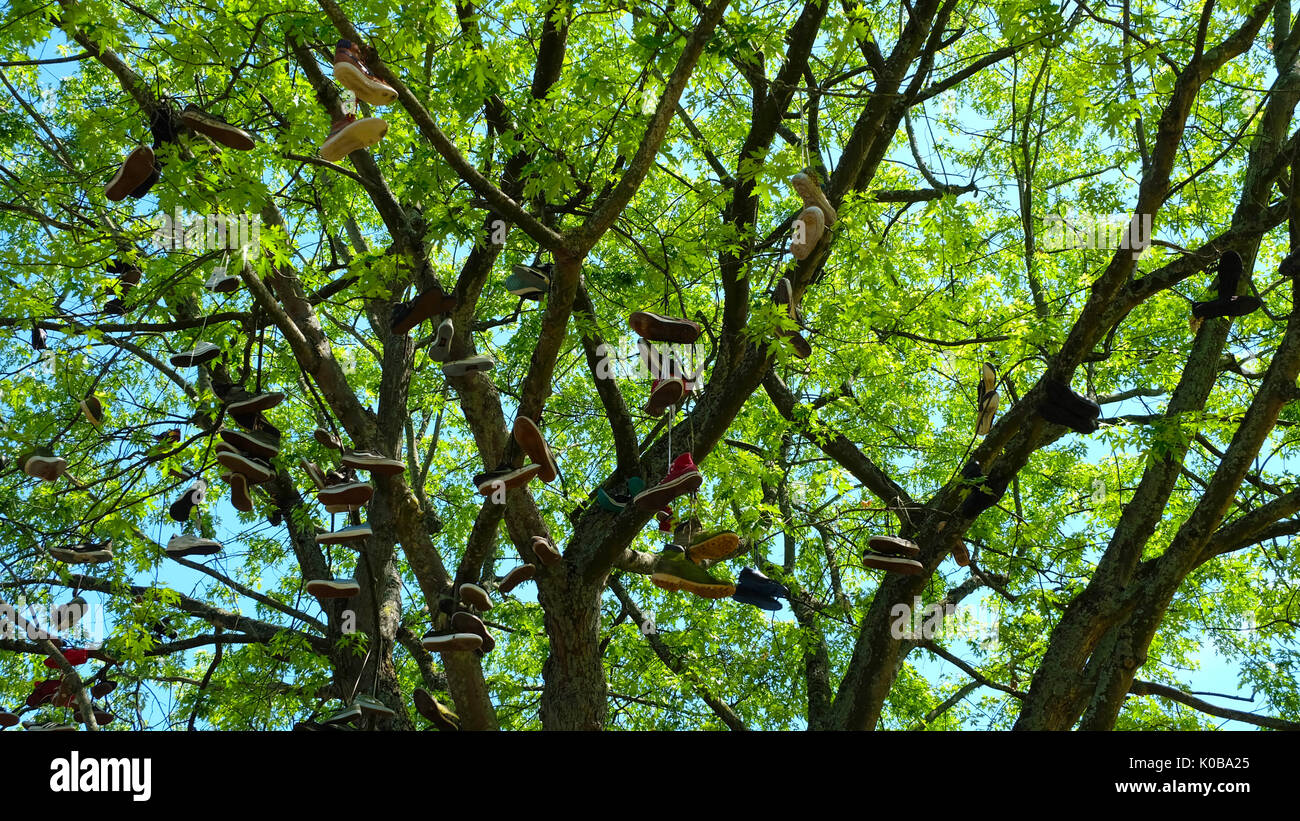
(967, 155)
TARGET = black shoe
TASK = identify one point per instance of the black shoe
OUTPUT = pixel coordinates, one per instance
(181, 509)
(1228, 303)
(984, 496)
(755, 582)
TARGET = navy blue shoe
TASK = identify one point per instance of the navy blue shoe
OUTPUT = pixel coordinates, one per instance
(748, 596)
(760, 585)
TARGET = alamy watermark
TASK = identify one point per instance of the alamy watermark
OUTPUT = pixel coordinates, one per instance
(75, 621)
(237, 233)
(1096, 232)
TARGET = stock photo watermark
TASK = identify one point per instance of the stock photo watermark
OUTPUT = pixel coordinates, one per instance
(76, 621)
(1091, 232)
(236, 233)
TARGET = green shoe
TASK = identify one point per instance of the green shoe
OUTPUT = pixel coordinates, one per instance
(673, 571)
(616, 503)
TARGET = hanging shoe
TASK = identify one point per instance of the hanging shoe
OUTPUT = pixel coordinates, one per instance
(441, 347)
(351, 72)
(239, 401)
(352, 533)
(474, 364)
(222, 282)
(812, 195)
(346, 494)
(211, 125)
(492, 482)
(987, 400)
(673, 571)
(474, 596)
(658, 328)
(812, 221)
(683, 477)
(463, 622)
(713, 547)
(240, 498)
(333, 588)
(1063, 406)
(374, 463)
(48, 727)
(92, 409)
(193, 496)
(257, 443)
(615, 502)
(664, 394)
(544, 549)
(85, 553)
(529, 282)
(134, 172)
(371, 706)
(348, 134)
(516, 577)
(7, 720)
(250, 468)
(43, 464)
(407, 316)
(894, 546)
(186, 545)
(339, 718)
(68, 616)
(985, 495)
(447, 641)
(751, 579)
(327, 439)
(201, 353)
(530, 439)
(435, 711)
(1229, 302)
(745, 595)
(891, 564)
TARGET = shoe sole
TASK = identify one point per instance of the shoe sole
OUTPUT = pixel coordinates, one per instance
(715, 547)
(534, 444)
(546, 552)
(667, 581)
(514, 479)
(656, 497)
(383, 468)
(466, 366)
(263, 402)
(353, 494)
(342, 536)
(198, 550)
(367, 90)
(814, 226)
(802, 349)
(516, 577)
(467, 642)
(249, 444)
(189, 360)
(666, 394)
(332, 590)
(238, 463)
(224, 133)
(988, 410)
(46, 468)
(239, 495)
(353, 137)
(68, 557)
(894, 546)
(429, 304)
(893, 564)
(134, 171)
(656, 328)
(477, 597)
(812, 194)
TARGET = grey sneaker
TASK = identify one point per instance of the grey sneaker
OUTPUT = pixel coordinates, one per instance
(480, 364)
(186, 545)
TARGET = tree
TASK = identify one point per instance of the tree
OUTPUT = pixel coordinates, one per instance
(646, 152)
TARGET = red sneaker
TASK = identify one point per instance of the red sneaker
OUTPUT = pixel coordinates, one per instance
(683, 477)
(664, 393)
